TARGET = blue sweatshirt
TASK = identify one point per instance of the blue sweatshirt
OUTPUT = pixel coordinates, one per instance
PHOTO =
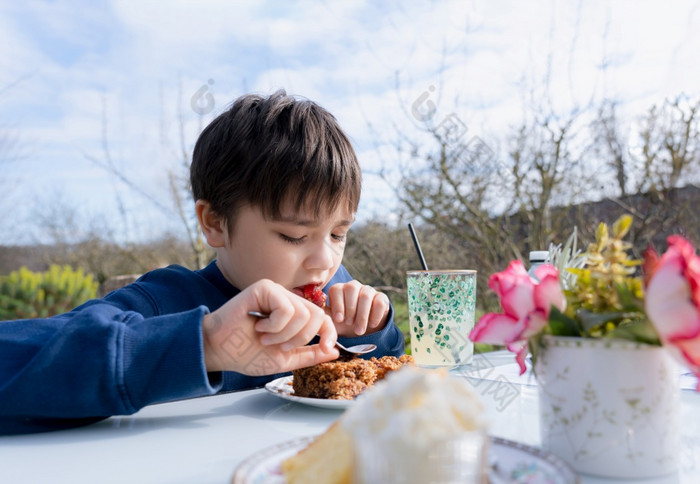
(139, 345)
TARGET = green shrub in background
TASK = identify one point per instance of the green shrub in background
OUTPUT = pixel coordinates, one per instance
(26, 294)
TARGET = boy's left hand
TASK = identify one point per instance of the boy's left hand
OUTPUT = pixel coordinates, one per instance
(357, 309)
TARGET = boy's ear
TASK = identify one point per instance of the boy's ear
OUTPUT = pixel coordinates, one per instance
(213, 225)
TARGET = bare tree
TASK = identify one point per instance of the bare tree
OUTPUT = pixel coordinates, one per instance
(550, 167)
(9, 153)
(669, 151)
(181, 193)
(497, 208)
(609, 143)
(86, 241)
(12, 150)
(177, 180)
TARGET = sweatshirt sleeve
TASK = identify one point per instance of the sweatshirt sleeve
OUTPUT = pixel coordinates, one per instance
(99, 360)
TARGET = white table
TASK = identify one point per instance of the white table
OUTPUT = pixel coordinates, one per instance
(204, 439)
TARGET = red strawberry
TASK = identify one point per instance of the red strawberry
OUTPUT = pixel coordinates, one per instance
(314, 294)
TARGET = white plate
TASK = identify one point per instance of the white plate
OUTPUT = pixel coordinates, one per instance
(517, 463)
(282, 387)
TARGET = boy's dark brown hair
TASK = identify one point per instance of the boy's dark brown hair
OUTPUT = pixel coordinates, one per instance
(268, 151)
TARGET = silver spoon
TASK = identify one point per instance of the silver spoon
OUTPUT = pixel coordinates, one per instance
(355, 350)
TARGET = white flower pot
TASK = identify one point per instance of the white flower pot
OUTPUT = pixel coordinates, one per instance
(609, 407)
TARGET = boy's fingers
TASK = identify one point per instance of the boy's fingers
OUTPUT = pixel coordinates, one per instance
(279, 328)
(270, 298)
(351, 292)
(362, 311)
(305, 356)
(306, 333)
(380, 307)
(336, 303)
(306, 322)
(327, 335)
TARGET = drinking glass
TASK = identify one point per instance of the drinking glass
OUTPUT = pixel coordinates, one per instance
(441, 308)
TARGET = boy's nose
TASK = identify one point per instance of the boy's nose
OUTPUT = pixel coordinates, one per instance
(321, 256)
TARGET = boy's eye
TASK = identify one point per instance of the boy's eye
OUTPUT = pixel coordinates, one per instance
(292, 240)
(339, 238)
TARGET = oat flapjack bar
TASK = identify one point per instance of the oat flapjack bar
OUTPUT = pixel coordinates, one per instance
(344, 378)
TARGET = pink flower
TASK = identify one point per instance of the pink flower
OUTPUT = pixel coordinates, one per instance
(673, 299)
(526, 304)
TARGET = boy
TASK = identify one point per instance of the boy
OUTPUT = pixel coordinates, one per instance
(276, 184)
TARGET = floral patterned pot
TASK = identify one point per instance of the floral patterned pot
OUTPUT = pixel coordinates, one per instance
(609, 407)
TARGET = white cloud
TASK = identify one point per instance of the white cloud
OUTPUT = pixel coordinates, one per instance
(146, 59)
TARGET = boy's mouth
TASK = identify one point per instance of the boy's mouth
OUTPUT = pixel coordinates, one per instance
(299, 290)
(312, 292)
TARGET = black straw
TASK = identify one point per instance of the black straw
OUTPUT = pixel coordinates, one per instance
(415, 242)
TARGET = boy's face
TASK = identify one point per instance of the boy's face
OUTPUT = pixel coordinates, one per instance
(293, 251)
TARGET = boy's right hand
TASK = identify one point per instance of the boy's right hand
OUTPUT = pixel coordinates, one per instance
(235, 341)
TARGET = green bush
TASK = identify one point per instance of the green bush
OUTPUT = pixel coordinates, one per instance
(26, 294)
(401, 320)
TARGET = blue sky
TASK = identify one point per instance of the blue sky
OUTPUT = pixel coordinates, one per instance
(67, 66)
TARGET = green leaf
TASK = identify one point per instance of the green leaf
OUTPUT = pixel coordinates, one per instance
(622, 226)
(601, 237)
(628, 299)
(534, 345)
(590, 320)
(641, 331)
(562, 325)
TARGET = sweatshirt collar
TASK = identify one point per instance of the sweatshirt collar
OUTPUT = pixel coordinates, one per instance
(212, 274)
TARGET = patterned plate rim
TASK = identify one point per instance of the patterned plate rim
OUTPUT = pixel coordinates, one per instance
(244, 469)
(558, 463)
(278, 388)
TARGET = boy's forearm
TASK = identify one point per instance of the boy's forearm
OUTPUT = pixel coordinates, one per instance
(99, 361)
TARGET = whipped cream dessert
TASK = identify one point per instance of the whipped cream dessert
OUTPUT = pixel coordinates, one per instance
(415, 426)
(426, 423)
(416, 407)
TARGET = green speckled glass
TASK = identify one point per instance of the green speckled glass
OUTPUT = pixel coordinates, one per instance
(441, 312)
